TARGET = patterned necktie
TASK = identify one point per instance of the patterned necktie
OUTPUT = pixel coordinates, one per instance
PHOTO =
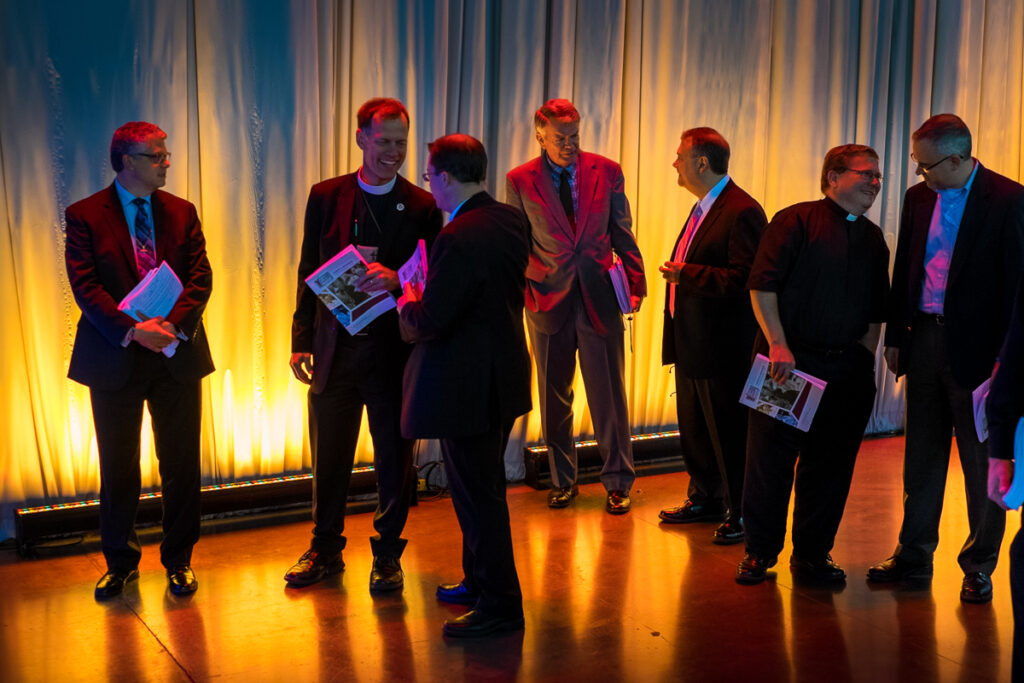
(680, 255)
(145, 252)
(565, 195)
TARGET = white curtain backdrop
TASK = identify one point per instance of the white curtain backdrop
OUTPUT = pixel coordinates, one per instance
(258, 99)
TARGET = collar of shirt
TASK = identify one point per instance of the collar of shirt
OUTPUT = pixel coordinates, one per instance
(556, 170)
(953, 201)
(375, 189)
(708, 200)
(130, 209)
(451, 216)
(839, 211)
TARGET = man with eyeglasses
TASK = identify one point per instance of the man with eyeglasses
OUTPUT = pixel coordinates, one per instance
(818, 286)
(959, 256)
(114, 238)
(384, 216)
(579, 218)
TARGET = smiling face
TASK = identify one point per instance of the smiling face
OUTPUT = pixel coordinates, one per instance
(560, 139)
(384, 145)
(855, 187)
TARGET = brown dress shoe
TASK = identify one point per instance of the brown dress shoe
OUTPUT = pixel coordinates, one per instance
(618, 503)
(313, 566)
(386, 575)
(561, 497)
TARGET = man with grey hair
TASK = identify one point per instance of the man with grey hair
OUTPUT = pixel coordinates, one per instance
(958, 259)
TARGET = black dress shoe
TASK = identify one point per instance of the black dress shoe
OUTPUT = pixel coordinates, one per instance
(822, 570)
(112, 583)
(386, 575)
(729, 532)
(561, 497)
(897, 569)
(313, 566)
(618, 503)
(456, 594)
(753, 569)
(977, 588)
(181, 580)
(692, 512)
(474, 624)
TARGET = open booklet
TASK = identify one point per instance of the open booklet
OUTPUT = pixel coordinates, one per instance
(154, 297)
(793, 402)
(335, 284)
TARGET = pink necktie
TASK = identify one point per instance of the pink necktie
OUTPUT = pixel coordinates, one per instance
(680, 255)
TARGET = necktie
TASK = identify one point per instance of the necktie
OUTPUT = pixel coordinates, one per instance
(145, 251)
(681, 249)
(565, 195)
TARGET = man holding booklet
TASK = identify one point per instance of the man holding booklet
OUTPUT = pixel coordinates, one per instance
(115, 238)
(818, 288)
(383, 216)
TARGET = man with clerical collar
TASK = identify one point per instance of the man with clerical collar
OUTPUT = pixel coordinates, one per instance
(114, 238)
(384, 216)
(818, 286)
(958, 258)
(579, 220)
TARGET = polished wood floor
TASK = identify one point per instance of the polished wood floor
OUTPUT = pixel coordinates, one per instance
(606, 599)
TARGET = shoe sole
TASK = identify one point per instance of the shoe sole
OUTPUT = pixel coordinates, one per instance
(302, 583)
(751, 580)
(619, 511)
(910, 577)
(469, 600)
(728, 540)
(975, 600)
(559, 506)
(810, 577)
(386, 588)
(692, 520)
(503, 627)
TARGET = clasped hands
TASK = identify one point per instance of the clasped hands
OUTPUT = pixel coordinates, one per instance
(155, 333)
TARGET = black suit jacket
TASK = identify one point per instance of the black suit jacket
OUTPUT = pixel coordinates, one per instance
(101, 269)
(328, 230)
(714, 326)
(987, 260)
(470, 370)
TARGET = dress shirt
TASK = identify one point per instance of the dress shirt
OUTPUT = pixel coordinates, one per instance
(942, 232)
(556, 178)
(705, 204)
(130, 210)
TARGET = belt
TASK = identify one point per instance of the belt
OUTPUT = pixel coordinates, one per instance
(826, 352)
(935, 318)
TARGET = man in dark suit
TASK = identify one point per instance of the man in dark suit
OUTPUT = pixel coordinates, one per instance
(1005, 409)
(114, 238)
(709, 332)
(579, 215)
(384, 215)
(469, 375)
(958, 259)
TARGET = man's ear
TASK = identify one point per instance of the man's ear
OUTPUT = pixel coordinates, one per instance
(360, 138)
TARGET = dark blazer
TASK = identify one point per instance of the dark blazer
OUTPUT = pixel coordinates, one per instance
(469, 371)
(714, 325)
(987, 260)
(1005, 403)
(560, 259)
(326, 231)
(101, 269)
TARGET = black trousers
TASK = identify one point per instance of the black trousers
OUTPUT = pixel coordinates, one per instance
(936, 406)
(713, 435)
(476, 476)
(823, 457)
(366, 371)
(175, 412)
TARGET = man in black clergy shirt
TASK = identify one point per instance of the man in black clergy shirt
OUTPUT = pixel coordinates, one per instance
(384, 215)
(818, 287)
(468, 378)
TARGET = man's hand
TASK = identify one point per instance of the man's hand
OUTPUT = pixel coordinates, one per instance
(302, 367)
(377, 278)
(781, 362)
(1000, 476)
(410, 293)
(892, 358)
(670, 271)
(635, 302)
(153, 334)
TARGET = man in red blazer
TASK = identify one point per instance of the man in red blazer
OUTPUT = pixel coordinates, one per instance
(384, 215)
(579, 216)
(959, 256)
(114, 238)
(709, 332)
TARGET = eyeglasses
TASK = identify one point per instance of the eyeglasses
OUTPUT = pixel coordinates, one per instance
(158, 158)
(426, 177)
(866, 175)
(929, 167)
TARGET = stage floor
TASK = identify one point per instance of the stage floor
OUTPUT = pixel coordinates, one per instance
(606, 598)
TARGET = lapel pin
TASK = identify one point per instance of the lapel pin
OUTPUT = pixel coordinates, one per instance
(400, 206)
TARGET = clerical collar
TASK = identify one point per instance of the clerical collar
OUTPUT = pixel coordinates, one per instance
(375, 189)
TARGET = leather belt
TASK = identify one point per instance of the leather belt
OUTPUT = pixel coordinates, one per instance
(936, 318)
